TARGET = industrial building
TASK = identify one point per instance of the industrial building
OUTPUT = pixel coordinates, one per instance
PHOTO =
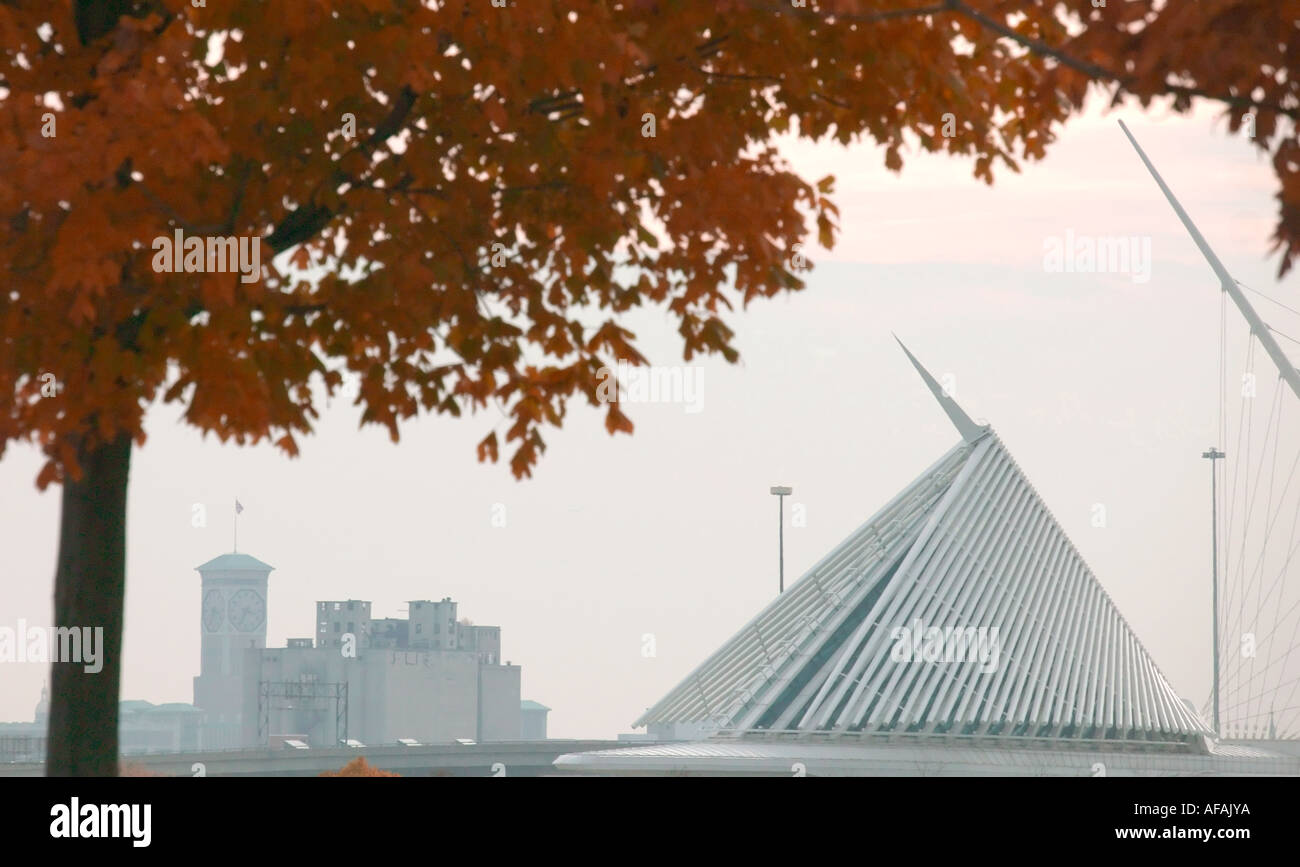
(428, 678)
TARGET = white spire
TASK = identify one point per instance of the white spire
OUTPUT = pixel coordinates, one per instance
(969, 430)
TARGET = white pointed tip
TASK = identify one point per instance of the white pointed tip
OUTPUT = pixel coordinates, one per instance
(969, 430)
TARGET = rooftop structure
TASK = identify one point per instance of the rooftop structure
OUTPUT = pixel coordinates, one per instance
(959, 608)
(957, 631)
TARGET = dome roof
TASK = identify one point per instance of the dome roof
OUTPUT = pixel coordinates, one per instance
(235, 563)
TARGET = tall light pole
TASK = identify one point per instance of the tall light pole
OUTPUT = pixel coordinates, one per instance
(1214, 454)
(781, 493)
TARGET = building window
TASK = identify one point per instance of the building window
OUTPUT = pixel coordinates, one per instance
(419, 627)
(338, 627)
(337, 606)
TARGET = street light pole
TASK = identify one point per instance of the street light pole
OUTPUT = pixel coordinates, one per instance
(1214, 454)
(781, 493)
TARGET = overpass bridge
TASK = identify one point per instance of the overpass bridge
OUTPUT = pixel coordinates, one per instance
(498, 758)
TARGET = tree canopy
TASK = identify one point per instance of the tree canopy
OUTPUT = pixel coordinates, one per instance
(475, 178)
(479, 184)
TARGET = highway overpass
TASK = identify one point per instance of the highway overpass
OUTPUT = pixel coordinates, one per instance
(500, 758)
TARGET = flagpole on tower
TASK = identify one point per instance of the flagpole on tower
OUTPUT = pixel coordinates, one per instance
(238, 508)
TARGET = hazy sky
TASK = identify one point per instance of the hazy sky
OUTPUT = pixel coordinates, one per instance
(1103, 388)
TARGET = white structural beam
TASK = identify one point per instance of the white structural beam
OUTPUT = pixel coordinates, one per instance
(1257, 325)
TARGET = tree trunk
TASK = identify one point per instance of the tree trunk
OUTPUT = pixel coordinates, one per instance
(90, 591)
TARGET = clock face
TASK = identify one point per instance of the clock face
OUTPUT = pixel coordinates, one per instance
(214, 610)
(247, 610)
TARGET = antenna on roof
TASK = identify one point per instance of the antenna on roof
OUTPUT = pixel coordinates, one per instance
(969, 430)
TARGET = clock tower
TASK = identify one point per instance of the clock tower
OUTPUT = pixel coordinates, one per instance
(232, 620)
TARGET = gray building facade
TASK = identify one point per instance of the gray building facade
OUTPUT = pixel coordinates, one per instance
(427, 678)
(232, 620)
(532, 722)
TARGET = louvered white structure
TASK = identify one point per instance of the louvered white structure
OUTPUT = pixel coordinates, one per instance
(961, 609)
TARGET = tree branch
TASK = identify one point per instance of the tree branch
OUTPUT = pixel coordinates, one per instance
(305, 221)
(1094, 71)
(883, 15)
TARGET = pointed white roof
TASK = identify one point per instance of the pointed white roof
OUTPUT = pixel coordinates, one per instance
(967, 563)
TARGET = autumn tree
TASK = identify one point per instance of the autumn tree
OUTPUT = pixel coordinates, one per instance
(471, 197)
(359, 767)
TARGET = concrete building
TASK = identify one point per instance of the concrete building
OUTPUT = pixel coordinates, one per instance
(142, 727)
(427, 678)
(145, 727)
(532, 720)
(232, 620)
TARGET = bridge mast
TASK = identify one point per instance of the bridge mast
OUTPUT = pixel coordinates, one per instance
(1261, 331)
(1229, 285)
